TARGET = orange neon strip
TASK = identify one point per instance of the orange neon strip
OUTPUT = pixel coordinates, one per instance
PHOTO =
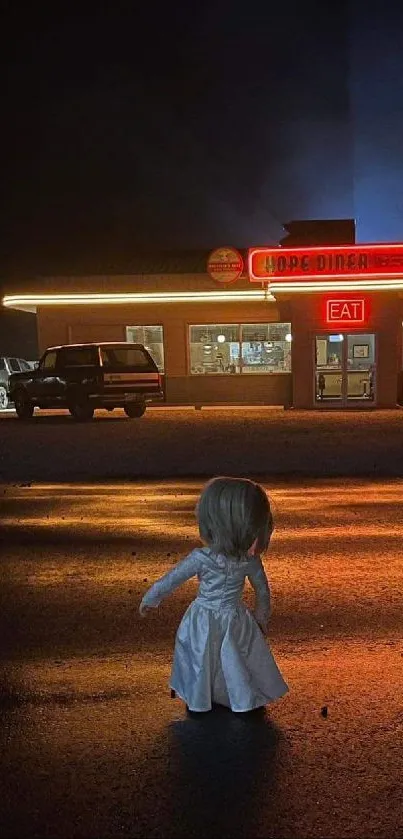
(80, 299)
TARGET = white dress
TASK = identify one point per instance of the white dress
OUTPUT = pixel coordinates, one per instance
(221, 654)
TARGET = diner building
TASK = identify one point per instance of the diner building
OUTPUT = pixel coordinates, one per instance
(316, 327)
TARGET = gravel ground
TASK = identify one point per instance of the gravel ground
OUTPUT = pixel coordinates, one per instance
(184, 442)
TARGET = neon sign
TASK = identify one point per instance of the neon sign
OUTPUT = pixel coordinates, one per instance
(288, 266)
(346, 311)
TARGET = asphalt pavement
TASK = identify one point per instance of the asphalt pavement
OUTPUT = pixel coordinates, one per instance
(187, 443)
(91, 743)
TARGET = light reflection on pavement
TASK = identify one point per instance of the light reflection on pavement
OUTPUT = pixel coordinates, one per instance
(92, 744)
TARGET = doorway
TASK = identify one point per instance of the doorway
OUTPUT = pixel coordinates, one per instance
(345, 369)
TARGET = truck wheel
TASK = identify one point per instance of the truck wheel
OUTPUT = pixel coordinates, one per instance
(3, 398)
(23, 406)
(135, 410)
(81, 411)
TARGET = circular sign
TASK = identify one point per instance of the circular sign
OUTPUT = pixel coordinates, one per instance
(225, 265)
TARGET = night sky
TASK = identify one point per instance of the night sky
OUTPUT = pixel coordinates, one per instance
(189, 125)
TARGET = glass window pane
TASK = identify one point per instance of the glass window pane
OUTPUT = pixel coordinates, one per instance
(80, 356)
(214, 349)
(328, 373)
(360, 366)
(152, 337)
(49, 361)
(14, 365)
(266, 347)
(123, 357)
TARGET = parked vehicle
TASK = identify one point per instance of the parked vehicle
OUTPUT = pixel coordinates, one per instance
(83, 377)
(9, 365)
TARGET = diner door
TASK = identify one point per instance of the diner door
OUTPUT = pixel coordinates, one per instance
(345, 370)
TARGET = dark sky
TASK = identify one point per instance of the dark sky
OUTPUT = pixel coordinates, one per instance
(182, 125)
(190, 125)
(376, 95)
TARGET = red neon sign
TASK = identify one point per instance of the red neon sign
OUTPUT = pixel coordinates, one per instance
(355, 262)
(345, 311)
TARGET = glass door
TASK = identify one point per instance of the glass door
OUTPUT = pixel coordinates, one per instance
(360, 358)
(329, 369)
(345, 369)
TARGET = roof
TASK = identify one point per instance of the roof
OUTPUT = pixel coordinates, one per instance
(184, 261)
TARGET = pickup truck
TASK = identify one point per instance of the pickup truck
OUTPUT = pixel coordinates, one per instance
(83, 377)
(9, 365)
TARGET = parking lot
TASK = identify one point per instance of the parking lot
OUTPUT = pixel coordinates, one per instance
(188, 442)
(91, 743)
(93, 512)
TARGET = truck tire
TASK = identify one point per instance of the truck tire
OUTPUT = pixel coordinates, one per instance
(3, 398)
(81, 410)
(23, 405)
(136, 409)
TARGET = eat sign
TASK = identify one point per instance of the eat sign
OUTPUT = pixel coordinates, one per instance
(345, 310)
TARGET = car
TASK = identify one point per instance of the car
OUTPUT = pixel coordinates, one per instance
(9, 365)
(83, 377)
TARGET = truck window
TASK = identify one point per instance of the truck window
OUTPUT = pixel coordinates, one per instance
(124, 357)
(49, 361)
(14, 365)
(79, 356)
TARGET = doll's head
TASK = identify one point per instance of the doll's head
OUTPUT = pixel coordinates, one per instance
(234, 516)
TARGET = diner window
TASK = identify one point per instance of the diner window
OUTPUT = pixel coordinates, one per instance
(240, 348)
(152, 338)
(266, 347)
(214, 348)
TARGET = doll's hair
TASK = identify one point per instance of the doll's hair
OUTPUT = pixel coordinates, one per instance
(232, 513)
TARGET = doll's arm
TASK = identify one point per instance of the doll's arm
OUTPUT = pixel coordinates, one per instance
(183, 571)
(259, 581)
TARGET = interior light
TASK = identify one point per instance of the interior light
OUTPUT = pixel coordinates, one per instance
(288, 337)
(221, 339)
